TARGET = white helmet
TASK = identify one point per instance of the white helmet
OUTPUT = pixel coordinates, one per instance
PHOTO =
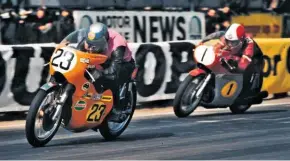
(235, 35)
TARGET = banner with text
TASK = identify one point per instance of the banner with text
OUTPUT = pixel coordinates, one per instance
(261, 25)
(147, 26)
(163, 66)
(277, 64)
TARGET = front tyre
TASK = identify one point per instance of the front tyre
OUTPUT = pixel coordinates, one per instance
(41, 110)
(111, 130)
(185, 101)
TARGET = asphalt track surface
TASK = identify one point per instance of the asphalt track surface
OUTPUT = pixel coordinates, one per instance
(261, 133)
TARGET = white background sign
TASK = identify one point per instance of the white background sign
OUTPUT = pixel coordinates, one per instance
(151, 54)
(147, 26)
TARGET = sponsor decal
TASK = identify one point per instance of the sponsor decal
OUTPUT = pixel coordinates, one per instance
(91, 66)
(80, 105)
(86, 86)
(96, 96)
(85, 60)
(87, 95)
(106, 98)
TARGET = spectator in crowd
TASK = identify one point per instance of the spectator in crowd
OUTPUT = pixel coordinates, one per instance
(43, 26)
(224, 17)
(212, 24)
(8, 25)
(65, 24)
(27, 35)
(217, 20)
(237, 6)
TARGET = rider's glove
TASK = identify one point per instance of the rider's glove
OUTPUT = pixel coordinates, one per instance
(233, 63)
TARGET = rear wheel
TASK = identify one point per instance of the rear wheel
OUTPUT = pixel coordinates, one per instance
(239, 109)
(40, 128)
(111, 130)
(185, 101)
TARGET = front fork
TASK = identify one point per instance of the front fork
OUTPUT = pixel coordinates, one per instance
(203, 85)
(68, 91)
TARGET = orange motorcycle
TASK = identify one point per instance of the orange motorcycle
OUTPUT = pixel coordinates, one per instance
(71, 101)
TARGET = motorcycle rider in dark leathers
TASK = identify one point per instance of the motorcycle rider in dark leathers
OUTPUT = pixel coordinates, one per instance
(97, 38)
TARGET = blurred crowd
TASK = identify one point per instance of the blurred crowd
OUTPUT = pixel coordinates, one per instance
(35, 26)
(20, 26)
(218, 19)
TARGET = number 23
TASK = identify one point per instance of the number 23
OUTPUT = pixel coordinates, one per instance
(67, 59)
(96, 112)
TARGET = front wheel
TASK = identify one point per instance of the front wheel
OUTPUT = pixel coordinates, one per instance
(111, 130)
(185, 101)
(239, 109)
(40, 128)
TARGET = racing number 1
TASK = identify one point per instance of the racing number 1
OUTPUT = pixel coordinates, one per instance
(231, 87)
(96, 112)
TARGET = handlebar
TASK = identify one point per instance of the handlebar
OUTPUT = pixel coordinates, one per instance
(224, 62)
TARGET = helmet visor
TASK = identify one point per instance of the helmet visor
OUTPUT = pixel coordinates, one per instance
(99, 46)
(233, 43)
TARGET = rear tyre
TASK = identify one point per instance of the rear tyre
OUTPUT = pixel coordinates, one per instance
(40, 110)
(239, 109)
(185, 101)
(111, 130)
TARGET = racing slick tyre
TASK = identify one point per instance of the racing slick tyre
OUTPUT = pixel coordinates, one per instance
(239, 109)
(185, 96)
(40, 110)
(111, 130)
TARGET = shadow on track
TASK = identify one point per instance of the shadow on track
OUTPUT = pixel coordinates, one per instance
(122, 138)
(231, 114)
(11, 116)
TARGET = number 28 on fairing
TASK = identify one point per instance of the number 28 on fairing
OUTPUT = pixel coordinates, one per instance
(63, 61)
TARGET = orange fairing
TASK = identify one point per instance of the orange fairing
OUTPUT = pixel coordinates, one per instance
(92, 112)
(88, 107)
(77, 67)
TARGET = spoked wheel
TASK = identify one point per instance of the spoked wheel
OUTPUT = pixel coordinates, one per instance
(185, 101)
(40, 128)
(111, 130)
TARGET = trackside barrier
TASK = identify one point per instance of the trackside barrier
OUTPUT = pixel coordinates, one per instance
(162, 67)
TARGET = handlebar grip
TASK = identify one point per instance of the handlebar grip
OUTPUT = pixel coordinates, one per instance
(227, 64)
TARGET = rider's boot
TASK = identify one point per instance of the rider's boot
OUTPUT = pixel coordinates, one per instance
(117, 113)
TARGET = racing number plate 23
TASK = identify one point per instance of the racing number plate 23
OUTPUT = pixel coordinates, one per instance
(95, 112)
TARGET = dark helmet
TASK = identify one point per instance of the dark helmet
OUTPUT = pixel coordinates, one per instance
(97, 37)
